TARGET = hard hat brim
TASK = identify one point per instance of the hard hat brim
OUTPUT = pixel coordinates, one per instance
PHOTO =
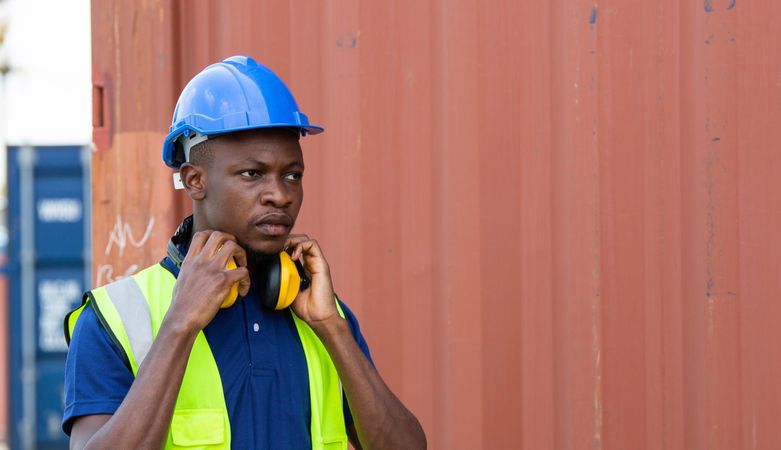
(169, 145)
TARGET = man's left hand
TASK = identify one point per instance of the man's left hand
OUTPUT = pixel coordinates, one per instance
(315, 305)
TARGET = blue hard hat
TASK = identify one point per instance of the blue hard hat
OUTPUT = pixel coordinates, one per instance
(232, 95)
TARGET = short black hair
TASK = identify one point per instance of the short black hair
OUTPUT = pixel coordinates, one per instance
(202, 154)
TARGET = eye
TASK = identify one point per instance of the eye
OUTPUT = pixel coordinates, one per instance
(250, 173)
(295, 176)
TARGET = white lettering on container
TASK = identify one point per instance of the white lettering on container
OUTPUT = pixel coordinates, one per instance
(59, 210)
(57, 297)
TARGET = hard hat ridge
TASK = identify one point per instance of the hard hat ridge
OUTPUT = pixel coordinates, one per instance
(232, 95)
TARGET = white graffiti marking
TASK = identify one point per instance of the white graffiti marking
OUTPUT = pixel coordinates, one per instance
(122, 235)
(105, 274)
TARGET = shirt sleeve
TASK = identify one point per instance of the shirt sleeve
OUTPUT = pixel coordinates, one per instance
(96, 378)
(352, 322)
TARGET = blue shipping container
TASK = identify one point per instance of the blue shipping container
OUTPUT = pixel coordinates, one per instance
(48, 270)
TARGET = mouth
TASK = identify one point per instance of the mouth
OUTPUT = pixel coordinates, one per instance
(275, 224)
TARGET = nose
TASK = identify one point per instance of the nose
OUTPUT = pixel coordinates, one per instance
(275, 193)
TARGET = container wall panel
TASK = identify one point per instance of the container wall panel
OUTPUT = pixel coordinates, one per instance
(554, 219)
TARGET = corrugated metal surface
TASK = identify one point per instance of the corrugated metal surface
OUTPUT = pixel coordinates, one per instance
(556, 220)
(4, 404)
(47, 270)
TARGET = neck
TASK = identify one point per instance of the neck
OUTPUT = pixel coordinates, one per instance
(199, 222)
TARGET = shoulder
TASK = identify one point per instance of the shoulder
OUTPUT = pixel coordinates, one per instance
(89, 334)
(96, 378)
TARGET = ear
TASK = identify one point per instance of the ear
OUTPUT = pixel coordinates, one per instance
(194, 180)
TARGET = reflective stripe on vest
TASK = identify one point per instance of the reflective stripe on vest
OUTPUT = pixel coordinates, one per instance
(132, 310)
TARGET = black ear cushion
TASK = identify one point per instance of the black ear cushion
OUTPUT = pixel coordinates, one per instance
(271, 277)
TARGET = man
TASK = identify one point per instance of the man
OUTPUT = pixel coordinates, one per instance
(154, 360)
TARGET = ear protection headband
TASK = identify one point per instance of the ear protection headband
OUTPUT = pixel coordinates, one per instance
(279, 284)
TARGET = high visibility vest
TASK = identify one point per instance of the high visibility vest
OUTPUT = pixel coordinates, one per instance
(131, 311)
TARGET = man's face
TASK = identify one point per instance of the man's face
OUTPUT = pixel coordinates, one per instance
(253, 187)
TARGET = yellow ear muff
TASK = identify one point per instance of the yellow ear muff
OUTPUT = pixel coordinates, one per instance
(289, 281)
(233, 293)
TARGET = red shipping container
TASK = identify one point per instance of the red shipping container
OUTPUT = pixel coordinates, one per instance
(555, 219)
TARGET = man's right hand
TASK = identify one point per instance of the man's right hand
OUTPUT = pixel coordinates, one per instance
(204, 280)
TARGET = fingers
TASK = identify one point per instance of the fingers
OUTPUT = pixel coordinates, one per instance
(297, 244)
(308, 248)
(198, 241)
(239, 275)
(240, 255)
(218, 244)
(231, 249)
(308, 251)
(216, 241)
(294, 239)
(234, 250)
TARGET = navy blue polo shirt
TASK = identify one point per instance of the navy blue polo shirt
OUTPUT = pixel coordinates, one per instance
(261, 363)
